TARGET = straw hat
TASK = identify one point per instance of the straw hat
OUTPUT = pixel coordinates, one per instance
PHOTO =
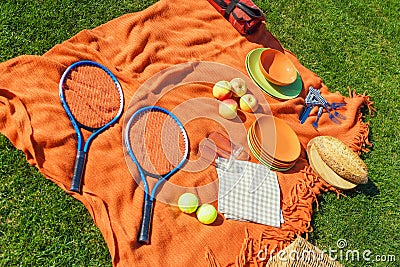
(336, 163)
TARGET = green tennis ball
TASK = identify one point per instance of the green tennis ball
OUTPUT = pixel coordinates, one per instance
(206, 213)
(188, 203)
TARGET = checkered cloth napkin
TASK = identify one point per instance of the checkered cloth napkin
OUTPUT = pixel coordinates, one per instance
(248, 192)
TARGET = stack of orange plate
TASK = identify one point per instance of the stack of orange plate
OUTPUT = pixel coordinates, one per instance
(274, 143)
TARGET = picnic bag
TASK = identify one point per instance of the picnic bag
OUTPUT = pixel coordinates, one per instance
(244, 15)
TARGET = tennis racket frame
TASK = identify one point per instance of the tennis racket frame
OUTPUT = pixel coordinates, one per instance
(147, 213)
(82, 146)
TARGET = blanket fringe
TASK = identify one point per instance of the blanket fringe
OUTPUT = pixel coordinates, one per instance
(361, 142)
(367, 102)
(246, 252)
(211, 259)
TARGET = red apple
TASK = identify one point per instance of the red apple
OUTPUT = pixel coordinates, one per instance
(239, 87)
(248, 103)
(222, 90)
(228, 108)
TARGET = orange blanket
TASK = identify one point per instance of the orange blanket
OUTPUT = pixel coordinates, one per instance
(135, 47)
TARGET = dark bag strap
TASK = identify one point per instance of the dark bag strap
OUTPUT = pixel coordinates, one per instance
(230, 8)
(250, 11)
(221, 3)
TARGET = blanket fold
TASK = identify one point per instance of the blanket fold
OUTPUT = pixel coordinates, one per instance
(135, 47)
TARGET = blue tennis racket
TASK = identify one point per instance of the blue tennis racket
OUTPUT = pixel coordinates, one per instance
(93, 99)
(157, 143)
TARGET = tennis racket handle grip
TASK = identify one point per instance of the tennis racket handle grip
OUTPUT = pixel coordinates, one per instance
(76, 183)
(144, 234)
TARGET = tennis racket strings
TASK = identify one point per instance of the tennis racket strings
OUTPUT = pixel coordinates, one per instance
(157, 142)
(92, 96)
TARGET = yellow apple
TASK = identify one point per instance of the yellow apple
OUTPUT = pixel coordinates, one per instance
(228, 108)
(222, 90)
(248, 103)
(239, 87)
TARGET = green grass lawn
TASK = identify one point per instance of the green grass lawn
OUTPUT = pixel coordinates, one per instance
(352, 44)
